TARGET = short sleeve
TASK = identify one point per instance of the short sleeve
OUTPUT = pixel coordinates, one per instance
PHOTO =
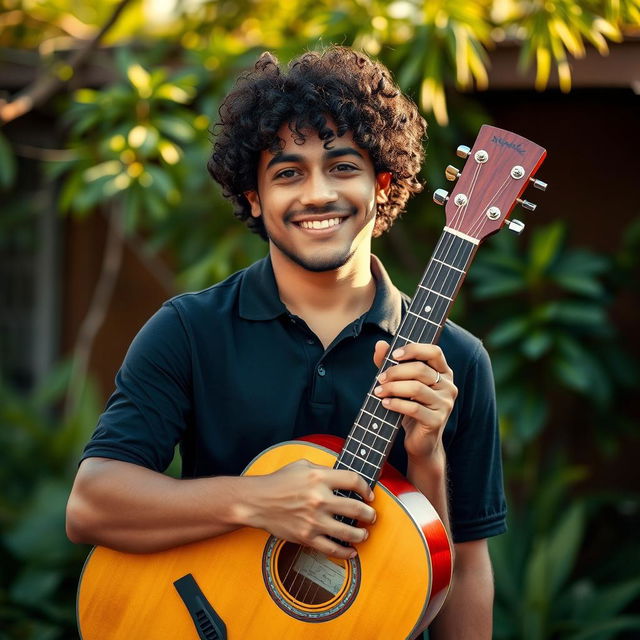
(478, 506)
(150, 408)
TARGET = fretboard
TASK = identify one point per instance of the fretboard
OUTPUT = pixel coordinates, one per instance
(374, 431)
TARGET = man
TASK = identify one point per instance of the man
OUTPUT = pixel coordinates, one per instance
(318, 159)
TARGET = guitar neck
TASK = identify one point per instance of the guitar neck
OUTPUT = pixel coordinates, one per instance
(374, 431)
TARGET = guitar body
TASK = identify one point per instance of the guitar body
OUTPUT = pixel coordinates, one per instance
(262, 587)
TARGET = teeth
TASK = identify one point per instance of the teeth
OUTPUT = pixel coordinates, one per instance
(319, 224)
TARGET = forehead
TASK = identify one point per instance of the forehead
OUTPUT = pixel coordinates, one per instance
(310, 147)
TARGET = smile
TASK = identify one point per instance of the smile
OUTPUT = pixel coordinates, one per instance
(320, 224)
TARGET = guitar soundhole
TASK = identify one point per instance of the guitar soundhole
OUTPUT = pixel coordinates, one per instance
(307, 584)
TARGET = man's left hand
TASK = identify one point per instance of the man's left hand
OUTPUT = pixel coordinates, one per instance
(421, 388)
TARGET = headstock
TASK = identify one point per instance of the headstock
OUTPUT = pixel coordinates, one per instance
(498, 169)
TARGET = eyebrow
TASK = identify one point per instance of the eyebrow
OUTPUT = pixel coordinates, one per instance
(284, 158)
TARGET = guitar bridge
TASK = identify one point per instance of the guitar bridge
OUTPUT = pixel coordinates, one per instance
(208, 623)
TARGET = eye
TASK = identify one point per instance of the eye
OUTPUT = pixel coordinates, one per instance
(345, 167)
(286, 173)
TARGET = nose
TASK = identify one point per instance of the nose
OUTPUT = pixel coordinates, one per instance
(318, 190)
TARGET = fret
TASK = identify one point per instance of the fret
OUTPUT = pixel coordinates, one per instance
(360, 453)
(448, 265)
(364, 462)
(347, 494)
(441, 295)
(378, 418)
(369, 432)
(358, 471)
(417, 315)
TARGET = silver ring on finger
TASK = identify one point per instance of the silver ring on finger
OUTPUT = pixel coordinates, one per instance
(437, 379)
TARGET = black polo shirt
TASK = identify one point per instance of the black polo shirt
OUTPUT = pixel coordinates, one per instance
(228, 371)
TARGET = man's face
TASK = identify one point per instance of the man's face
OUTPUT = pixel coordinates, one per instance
(318, 205)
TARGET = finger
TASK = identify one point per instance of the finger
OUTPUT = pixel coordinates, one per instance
(346, 533)
(409, 389)
(413, 370)
(350, 481)
(353, 509)
(332, 549)
(428, 416)
(429, 353)
(379, 352)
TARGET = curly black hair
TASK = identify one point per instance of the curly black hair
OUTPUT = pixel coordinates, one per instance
(357, 93)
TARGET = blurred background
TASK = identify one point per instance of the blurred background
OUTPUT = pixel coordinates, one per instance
(107, 110)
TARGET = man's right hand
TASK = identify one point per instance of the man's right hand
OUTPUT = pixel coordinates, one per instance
(297, 503)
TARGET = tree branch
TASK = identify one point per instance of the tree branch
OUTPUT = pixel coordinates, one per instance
(111, 263)
(45, 86)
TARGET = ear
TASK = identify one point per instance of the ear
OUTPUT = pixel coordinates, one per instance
(383, 184)
(254, 200)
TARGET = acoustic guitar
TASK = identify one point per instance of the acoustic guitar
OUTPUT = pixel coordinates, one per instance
(247, 584)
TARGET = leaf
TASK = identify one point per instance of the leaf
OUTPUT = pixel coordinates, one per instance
(174, 128)
(611, 599)
(563, 545)
(34, 585)
(545, 245)
(500, 285)
(508, 332)
(536, 344)
(7, 163)
(39, 534)
(595, 631)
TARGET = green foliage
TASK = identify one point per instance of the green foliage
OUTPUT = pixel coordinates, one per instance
(546, 325)
(542, 590)
(140, 143)
(38, 457)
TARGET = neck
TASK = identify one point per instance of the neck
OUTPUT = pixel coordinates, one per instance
(342, 289)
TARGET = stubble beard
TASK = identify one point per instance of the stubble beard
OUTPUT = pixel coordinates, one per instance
(319, 264)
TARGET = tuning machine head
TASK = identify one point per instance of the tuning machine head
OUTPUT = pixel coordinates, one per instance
(440, 196)
(538, 184)
(525, 204)
(463, 151)
(452, 173)
(517, 226)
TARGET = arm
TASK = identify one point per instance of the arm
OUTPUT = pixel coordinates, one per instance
(421, 388)
(426, 404)
(130, 508)
(467, 613)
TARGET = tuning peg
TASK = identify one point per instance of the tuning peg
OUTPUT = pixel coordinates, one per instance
(463, 151)
(440, 196)
(452, 173)
(516, 226)
(525, 204)
(538, 184)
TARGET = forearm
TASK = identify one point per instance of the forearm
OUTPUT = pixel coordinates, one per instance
(467, 613)
(429, 476)
(130, 508)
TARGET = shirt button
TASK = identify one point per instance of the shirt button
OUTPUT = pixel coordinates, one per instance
(321, 370)
(309, 340)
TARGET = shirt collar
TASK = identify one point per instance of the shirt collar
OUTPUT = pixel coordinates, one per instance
(386, 310)
(259, 295)
(260, 299)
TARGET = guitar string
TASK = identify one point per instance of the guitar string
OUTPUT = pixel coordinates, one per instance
(442, 244)
(476, 227)
(445, 243)
(460, 213)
